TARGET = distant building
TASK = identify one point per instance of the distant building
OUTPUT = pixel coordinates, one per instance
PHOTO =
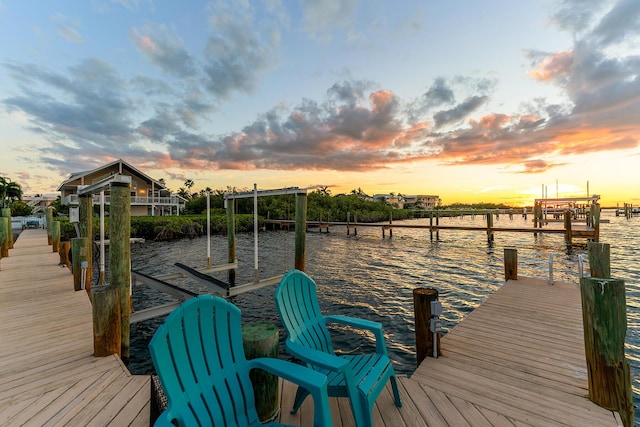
(148, 196)
(427, 202)
(39, 202)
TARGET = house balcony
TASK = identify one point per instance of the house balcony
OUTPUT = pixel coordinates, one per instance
(72, 199)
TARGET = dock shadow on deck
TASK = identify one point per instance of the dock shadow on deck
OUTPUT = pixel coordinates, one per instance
(517, 360)
(48, 375)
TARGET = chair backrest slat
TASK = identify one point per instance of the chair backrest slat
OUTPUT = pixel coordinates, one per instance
(299, 311)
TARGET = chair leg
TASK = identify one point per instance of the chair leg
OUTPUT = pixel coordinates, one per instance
(396, 393)
(301, 394)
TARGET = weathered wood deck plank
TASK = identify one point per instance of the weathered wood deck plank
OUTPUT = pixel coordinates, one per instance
(48, 375)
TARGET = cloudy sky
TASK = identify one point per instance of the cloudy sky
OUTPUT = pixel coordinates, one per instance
(473, 101)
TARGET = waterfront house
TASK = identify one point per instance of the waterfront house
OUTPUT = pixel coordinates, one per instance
(148, 196)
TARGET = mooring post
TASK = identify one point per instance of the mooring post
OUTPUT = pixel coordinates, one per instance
(120, 256)
(568, 236)
(48, 221)
(390, 223)
(437, 224)
(355, 223)
(599, 260)
(231, 239)
(424, 320)
(595, 209)
(107, 336)
(301, 231)
(64, 252)
(55, 236)
(510, 264)
(604, 318)
(489, 227)
(260, 339)
(431, 225)
(5, 228)
(6, 213)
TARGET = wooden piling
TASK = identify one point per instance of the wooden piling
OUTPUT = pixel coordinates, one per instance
(64, 252)
(431, 226)
(422, 298)
(5, 229)
(120, 256)
(48, 221)
(55, 236)
(568, 236)
(490, 236)
(605, 326)
(604, 318)
(301, 231)
(107, 336)
(260, 339)
(390, 223)
(78, 255)
(599, 260)
(231, 240)
(6, 213)
(510, 264)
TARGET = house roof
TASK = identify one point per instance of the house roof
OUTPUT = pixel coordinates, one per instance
(77, 175)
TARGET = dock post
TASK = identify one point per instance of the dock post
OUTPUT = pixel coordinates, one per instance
(78, 255)
(5, 229)
(55, 236)
(390, 222)
(48, 221)
(6, 213)
(355, 223)
(231, 240)
(120, 257)
(107, 337)
(301, 231)
(595, 215)
(64, 252)
(568, 237)
(599, 260)
(604, 319)
(422, 298)
(437, 224)
(489, 227)
(260, 339)
(510, 264)
(348, 223)
(431, 226)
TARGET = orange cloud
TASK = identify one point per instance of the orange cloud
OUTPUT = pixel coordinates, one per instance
(553, 66)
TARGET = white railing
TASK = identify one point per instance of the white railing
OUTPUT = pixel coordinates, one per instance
(135, 200)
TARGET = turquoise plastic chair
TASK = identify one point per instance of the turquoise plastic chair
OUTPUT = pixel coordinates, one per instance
(200, 360)
(359, 377)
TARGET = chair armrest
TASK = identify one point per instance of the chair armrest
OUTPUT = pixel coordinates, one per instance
(314, 382)
(369, 325)
(164, 419)
(317, 358)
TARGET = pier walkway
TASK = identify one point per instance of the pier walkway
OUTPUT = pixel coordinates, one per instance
(48, 375)
(517, 360)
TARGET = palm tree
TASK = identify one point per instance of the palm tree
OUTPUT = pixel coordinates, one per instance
(9, 191)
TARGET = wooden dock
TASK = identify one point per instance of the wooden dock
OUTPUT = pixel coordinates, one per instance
(48, 375)
(517, 360)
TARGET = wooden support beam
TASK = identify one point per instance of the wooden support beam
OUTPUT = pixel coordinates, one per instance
(120, 257)
(422, 298)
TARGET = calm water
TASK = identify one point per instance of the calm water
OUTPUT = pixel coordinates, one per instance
(370, 277)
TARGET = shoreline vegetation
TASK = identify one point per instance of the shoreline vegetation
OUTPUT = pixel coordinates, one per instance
(320, 206)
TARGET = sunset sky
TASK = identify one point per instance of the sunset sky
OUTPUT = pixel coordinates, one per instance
(472, 101)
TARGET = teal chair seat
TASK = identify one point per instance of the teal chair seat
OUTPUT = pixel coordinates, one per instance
(359, 377)
(199, 358)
